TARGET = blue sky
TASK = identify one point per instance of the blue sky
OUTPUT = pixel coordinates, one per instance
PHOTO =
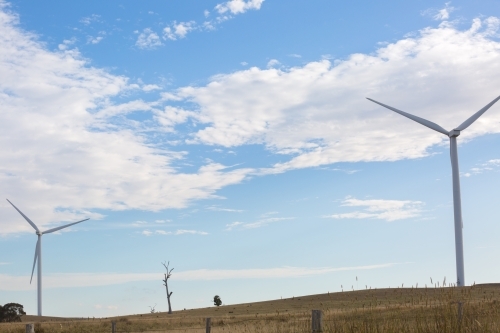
(233, 139)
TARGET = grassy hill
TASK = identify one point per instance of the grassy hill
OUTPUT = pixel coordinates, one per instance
(373, 310)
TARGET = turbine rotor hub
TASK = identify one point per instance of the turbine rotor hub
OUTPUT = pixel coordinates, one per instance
(38, 233)
(454, 133)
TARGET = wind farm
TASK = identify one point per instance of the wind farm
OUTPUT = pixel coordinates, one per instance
(284, 156)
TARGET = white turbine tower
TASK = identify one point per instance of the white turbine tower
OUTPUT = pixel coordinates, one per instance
(457, 204)
(38, 254)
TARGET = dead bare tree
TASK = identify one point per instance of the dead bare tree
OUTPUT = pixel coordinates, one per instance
(165, 281)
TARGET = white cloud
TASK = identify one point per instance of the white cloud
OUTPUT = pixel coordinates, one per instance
(220, 209)
(238, 6)
(389, 210)
(175, 233)
(190, 232)
(257, 224)
(233, 225)
(317, 114)
(74, 280)
(96, 39)
(66, 44)
(444, 13)
(90, 19)
(273, 63)
(150, 87)
(148, 39)
(67, 148)
(178, 30)
(490, 165)
(174, 31)
(172, 116)
(349, 172)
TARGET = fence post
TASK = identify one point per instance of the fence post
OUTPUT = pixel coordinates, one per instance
(113, 327)
(317, 321)
(460, 312)
(30, 328)
(208, 325)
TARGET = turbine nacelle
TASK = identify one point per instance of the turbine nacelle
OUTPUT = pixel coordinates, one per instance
(454, 133)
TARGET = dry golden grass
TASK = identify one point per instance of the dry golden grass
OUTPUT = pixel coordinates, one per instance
(376, 310)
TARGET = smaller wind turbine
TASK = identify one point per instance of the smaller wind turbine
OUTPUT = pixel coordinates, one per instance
(457, 202)
(38, 253)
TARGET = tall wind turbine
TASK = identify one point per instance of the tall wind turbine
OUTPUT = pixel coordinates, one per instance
(38, 253)
(457, 204)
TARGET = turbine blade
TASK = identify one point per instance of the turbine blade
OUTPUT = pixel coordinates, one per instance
(34, 260)
(25, 217)
(61, 227)
(476, 115)
(419, 120)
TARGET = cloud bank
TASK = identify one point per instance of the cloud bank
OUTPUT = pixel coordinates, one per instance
(317, 114)
(64, 148)
(73, 280)
(68, 147)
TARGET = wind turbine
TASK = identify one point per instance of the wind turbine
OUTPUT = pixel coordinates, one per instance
(457, 204)
(38, 253)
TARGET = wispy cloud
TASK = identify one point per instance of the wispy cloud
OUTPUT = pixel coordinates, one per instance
(220, 209)
(13, 282)
(174, 233)
(257, 224)
(96, 39)
(347, 171)
(109, 307)
(440, 14)
(66, 44)
(389, 210)
(491, 165)
(87, 20)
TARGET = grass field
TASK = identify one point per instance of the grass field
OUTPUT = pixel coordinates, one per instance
(374, 310)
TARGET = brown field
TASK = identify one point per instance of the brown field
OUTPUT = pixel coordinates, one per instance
(374, 310)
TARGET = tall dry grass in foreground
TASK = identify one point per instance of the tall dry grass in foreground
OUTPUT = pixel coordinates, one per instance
(399, 310)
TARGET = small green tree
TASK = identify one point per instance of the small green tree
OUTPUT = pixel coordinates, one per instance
(11, 312)
(217, 300)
